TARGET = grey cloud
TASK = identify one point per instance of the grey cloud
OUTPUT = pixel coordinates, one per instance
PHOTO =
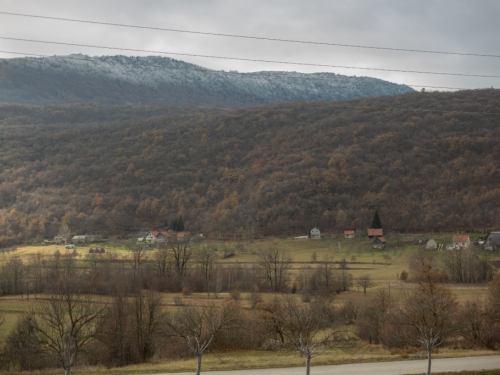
(459, 25)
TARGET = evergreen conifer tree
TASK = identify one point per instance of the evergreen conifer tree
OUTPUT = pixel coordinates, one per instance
(173, 224)
(376, 224)
(180, 224)
(177, 224)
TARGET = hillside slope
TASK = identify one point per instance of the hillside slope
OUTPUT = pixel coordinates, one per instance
(426, 161)
(147, 80)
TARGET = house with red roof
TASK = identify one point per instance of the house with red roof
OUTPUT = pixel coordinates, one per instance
(461, 241)
(157, 237)
(348, 234)
(377, 232)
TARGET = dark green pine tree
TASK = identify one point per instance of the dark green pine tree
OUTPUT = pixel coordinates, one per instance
(376, 224)
(177, 224)
(180, 224)
(173, 224)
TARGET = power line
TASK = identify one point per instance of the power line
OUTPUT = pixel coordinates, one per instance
(250, 60)
(249, 36)
(201, 69)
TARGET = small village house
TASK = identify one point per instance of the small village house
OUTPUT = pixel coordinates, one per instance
(493, 241)
(157, 237)
(461, 242)
(377, 232)
(348, 234)
(60, 240)
(315, 234)
(78, 239)
(379, 243)
(82, 238)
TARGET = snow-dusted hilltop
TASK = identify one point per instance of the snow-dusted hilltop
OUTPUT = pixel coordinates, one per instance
(123, 79)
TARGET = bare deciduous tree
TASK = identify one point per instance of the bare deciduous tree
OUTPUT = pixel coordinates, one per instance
(67, 323)
(148, 317)
(429, 313)
(373, 317)
(138, 257)
(21, 350)
(206, 258)
(217, 281)
(198, 327)
(365, 282)
(325, 276)
(306, 327)
(12, 275)
(274, 265)
(161, 262)
(180, 250)
(131, 328)
(494, 295)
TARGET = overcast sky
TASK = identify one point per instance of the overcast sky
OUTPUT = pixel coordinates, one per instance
(461, 26)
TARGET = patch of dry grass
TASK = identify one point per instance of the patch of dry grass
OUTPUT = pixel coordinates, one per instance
(250, 359)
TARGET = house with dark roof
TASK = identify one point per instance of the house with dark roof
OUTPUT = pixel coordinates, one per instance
(379, 243)
(493, 241)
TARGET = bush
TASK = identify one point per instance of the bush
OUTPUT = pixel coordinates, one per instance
(403, 276)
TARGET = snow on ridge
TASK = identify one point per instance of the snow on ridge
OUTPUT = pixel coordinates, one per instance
(160, 73)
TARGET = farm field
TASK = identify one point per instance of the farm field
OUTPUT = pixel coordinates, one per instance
(356, 255)
(383, 266)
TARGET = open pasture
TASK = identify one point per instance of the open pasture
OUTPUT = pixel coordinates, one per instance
(355, 255)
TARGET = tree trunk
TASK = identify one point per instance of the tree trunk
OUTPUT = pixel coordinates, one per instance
(198, 367)
(429, 359)
(67, 370)
(308, 365)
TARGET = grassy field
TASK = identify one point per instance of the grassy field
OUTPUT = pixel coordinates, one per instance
(383, 266)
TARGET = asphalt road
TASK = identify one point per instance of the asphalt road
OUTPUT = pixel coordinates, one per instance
(380, 368)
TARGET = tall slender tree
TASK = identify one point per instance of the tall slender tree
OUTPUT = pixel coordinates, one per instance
(376, 223)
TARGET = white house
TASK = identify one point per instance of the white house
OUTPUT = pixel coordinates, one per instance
(315, 234)
(78, 239)
(155, 237)
(348, 234)
(461, 241)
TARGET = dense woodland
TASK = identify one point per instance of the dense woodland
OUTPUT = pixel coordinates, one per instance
(426, 161)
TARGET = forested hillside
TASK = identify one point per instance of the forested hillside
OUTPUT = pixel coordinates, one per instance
(269, 170)
(152, 80)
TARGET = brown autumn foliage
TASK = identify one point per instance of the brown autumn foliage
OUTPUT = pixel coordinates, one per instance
(267, 170)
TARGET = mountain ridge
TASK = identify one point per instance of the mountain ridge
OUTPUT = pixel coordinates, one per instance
(153, 79)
